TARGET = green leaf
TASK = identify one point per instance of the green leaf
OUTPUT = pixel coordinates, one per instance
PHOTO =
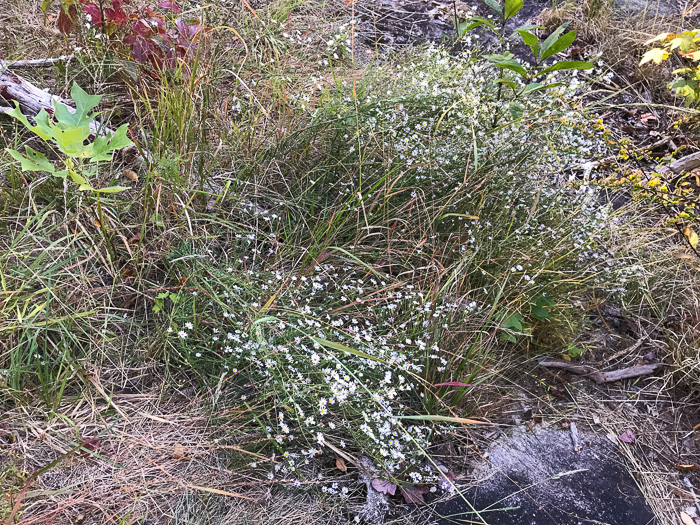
(536, 86)
(70, 140)
(78, 178)
(560, 45)
(509, 83)
(46, 5)
(347, 349)
(566, 64)
(512, 8)
(531, 41)
(493, 4)
(507, 61)
(111, 189)
(513, 322)
(104, 145)
(516, 110)
(32, 161)
(472, 23)
(549, 41)
(540, 308)
(527, 27)
(42, 129)
(83, 104)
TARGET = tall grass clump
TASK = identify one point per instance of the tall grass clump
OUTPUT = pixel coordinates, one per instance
(392, 244)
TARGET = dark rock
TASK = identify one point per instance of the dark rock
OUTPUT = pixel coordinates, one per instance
(536, 478)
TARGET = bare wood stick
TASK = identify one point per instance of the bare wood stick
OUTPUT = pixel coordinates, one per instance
(602, 377)
(38, 62)
(624, 351)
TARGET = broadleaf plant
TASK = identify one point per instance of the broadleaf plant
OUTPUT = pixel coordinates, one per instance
(67, 133)
(532, 75)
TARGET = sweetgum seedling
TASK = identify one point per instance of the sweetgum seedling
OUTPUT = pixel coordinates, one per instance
(68, 135)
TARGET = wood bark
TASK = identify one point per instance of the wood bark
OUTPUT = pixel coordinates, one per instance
(602, 377)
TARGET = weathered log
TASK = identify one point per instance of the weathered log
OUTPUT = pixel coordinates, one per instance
(602, 377)
(37, 62)
(684, 164)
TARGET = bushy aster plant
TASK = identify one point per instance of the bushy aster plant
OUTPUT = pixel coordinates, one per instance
(437, 234)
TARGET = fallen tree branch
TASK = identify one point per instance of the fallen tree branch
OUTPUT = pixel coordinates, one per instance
(687, 163)
(602, 377)
(37, 62)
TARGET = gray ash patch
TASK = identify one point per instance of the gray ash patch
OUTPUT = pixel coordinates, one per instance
(536, 478)
(396, 23)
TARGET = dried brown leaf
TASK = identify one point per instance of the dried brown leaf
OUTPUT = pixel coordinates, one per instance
(131, 175)
(178, 451)
(340, 463)
(384, 486)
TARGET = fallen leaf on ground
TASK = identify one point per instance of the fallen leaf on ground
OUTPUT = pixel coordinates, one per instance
(627, 436)
(687, 467)
(644, 119)
(445, 478)
(340, 463)
(691, 236)
(91, 444)
(686, 519)
(131, 175)
(414, 493)
(384, 486)
(178, 451)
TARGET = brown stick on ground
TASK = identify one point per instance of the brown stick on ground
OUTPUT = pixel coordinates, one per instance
(602, 377)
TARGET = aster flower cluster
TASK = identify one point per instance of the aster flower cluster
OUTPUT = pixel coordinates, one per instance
(268, 332)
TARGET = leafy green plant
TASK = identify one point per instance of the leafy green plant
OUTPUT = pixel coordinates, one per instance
(686, 46)
(531, 77)
(67, 134)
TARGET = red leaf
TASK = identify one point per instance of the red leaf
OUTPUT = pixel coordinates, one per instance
(627, 436)
(167, 4)
(93, 14)
(66, 19)
(91, 444)
(414, 493)
(384, 486)
(116, 16)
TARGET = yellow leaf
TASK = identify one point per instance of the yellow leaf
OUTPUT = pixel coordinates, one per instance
(691, 236)
(131, 175)
(656, 55)
(662, 36)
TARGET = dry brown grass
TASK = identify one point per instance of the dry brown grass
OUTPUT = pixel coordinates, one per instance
(161, 461)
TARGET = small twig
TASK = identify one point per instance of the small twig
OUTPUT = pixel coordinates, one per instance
(602, 377)
(575, 437)
(624, 351)
(38, 62)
